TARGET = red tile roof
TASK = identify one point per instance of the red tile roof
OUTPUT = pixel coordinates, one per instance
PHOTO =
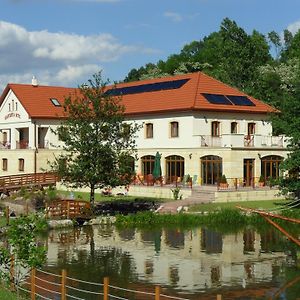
(36, 100)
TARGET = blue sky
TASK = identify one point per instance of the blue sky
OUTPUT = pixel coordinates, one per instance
(64, 42)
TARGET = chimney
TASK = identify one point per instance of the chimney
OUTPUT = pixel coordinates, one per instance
(34, 81)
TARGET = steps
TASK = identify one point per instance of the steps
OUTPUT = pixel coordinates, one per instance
(199, 195)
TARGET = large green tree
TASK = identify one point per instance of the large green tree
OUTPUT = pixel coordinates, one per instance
(98, 143)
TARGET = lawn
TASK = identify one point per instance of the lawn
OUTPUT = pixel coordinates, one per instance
(263, 204)
(99, 197)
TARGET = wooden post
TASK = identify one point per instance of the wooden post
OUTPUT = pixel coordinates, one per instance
(68, 209)
(219, 297)
(12, 272)
(157, 292)
(105, 288)
(63, 284)
(33, 284)
(7, 214)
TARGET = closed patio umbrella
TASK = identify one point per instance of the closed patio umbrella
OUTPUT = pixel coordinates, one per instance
(156, 168)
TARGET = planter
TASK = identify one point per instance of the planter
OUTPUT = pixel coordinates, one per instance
(261, 184)
(223, 185)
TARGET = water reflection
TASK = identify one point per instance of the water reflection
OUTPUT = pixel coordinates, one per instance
(189, 262)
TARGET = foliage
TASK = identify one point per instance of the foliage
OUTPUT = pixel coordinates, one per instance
(98, 143)
(176, 193)
(23, 246)
(261, 178)
(223, 179)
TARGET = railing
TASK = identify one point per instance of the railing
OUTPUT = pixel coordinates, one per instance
(68, 209)
(23, 144)
(242, 183)
(47, 285)
(211, 141)
(17, 181)
(43, 145)
(241, 140)
(5, 145)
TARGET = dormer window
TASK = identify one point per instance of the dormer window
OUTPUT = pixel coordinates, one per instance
(55, 102)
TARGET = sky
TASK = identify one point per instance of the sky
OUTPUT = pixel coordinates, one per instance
(65, 42)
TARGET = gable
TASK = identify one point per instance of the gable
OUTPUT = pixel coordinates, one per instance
(12, 110)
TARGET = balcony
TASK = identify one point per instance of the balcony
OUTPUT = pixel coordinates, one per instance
(243, 141)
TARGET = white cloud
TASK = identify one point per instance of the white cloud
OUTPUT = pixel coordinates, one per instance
(56, 56)
(294, 27)
(175, 17)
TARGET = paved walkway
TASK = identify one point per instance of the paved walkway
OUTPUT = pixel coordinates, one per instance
(198, 196)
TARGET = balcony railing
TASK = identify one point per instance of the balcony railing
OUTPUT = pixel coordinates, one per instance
(23, 144)
(241, 140)
(5, 145)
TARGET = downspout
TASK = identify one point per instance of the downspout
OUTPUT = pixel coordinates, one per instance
(35, 151)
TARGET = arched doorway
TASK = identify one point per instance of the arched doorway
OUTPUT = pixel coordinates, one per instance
(211, 169)
(175, 167)
(147, 164)
(270, 166)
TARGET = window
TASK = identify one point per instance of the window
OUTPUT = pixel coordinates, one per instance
(149, 130)
(174, 168)
(233, 128)
(16, 105)
(55, 102)
(147, 164)
(174, 129)
(211, 169)
(9, 107)
(4, 164)
(270, 166)
(251, 128)
(21, 164)
(215, 128)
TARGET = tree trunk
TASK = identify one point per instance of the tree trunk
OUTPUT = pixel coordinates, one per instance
(92, 195)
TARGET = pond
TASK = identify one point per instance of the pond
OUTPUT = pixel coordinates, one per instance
(197, 263)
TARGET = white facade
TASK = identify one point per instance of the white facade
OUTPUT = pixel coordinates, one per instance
(240, 140)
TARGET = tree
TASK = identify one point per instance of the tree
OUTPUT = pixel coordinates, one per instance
(98, 143)
(289, 123)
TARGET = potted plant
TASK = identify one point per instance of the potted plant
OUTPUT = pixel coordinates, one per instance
(261, 181)
(223, 182)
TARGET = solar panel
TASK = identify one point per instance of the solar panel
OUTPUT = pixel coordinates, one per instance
(217, 99)
(150, 87)
(240, 100)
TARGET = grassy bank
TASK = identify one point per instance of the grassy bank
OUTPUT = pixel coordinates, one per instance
(224, 220)
(263, 204)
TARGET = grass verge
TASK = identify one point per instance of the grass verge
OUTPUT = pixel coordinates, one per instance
(263, 204)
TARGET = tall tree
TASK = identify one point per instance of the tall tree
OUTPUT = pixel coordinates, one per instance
(98, 143)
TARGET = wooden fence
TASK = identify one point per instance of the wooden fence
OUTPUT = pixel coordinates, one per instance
(45, 285)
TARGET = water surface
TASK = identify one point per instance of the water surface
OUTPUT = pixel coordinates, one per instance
(198, 263)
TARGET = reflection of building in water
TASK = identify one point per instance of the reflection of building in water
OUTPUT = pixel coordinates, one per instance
(190, 260)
